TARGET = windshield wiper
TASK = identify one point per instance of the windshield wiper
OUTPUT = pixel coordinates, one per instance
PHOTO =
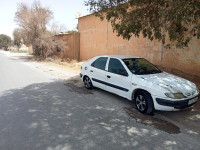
(154, 71)
(142, 72)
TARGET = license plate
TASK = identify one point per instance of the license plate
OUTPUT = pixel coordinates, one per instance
(192, 101)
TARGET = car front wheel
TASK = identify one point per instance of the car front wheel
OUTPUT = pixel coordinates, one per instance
(88, 83)
(144, 102)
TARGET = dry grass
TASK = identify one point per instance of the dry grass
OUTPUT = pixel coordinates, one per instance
(58, 62)
(69, 65)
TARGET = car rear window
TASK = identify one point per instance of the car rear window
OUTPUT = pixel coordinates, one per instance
(100, 63)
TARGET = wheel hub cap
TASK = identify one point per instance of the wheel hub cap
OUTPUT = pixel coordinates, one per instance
(140, 103)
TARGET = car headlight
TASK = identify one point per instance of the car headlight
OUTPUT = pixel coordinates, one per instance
(175, 95)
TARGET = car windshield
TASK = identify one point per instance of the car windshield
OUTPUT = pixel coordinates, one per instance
(140, 66)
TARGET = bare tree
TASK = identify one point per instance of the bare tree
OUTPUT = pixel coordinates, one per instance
(58, 28)
(33, 21)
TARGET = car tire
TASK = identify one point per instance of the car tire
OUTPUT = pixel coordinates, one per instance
(88, 83)
(144, 102)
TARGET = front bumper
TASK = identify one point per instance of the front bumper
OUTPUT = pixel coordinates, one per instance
(181, 104)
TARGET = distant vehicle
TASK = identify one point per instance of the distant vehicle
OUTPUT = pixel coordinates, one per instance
(137, 79)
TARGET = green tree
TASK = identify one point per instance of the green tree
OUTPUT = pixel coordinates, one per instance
(174, 22)
(72, 31)
(5, 41)
(17, 34)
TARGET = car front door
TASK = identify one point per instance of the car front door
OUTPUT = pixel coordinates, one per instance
(118, 80)
(98, 73)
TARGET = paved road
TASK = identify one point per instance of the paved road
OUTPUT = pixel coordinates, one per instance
(39, 112)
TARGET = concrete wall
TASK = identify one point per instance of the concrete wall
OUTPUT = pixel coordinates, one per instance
(97, 38)
(71, 46)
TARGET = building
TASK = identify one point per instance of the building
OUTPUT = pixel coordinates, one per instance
(97, 38)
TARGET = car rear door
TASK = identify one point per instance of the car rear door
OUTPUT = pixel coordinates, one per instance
(98, 73)
(118, 79)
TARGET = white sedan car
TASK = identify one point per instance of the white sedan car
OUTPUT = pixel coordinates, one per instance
(137, 79)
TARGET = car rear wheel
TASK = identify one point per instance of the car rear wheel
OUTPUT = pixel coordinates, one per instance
(144, 102)
(88, 83)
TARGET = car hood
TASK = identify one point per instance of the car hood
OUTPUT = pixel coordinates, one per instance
(171, 83)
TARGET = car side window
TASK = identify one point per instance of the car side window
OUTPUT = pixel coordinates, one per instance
(115, 66)
(100, 63)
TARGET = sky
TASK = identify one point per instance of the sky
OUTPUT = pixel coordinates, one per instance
(64, 12)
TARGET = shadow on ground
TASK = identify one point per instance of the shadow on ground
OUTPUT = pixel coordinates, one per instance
(63, 116)
(170, 122)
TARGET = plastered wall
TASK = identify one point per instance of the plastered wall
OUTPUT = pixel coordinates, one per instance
(71, 46)
(97, 38)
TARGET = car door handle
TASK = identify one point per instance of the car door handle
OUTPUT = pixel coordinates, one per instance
(108, 76)
(91, 70)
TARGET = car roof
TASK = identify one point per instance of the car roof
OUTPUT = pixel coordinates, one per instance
(120, 56)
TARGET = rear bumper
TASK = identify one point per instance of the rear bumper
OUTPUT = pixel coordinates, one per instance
(181, 104)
